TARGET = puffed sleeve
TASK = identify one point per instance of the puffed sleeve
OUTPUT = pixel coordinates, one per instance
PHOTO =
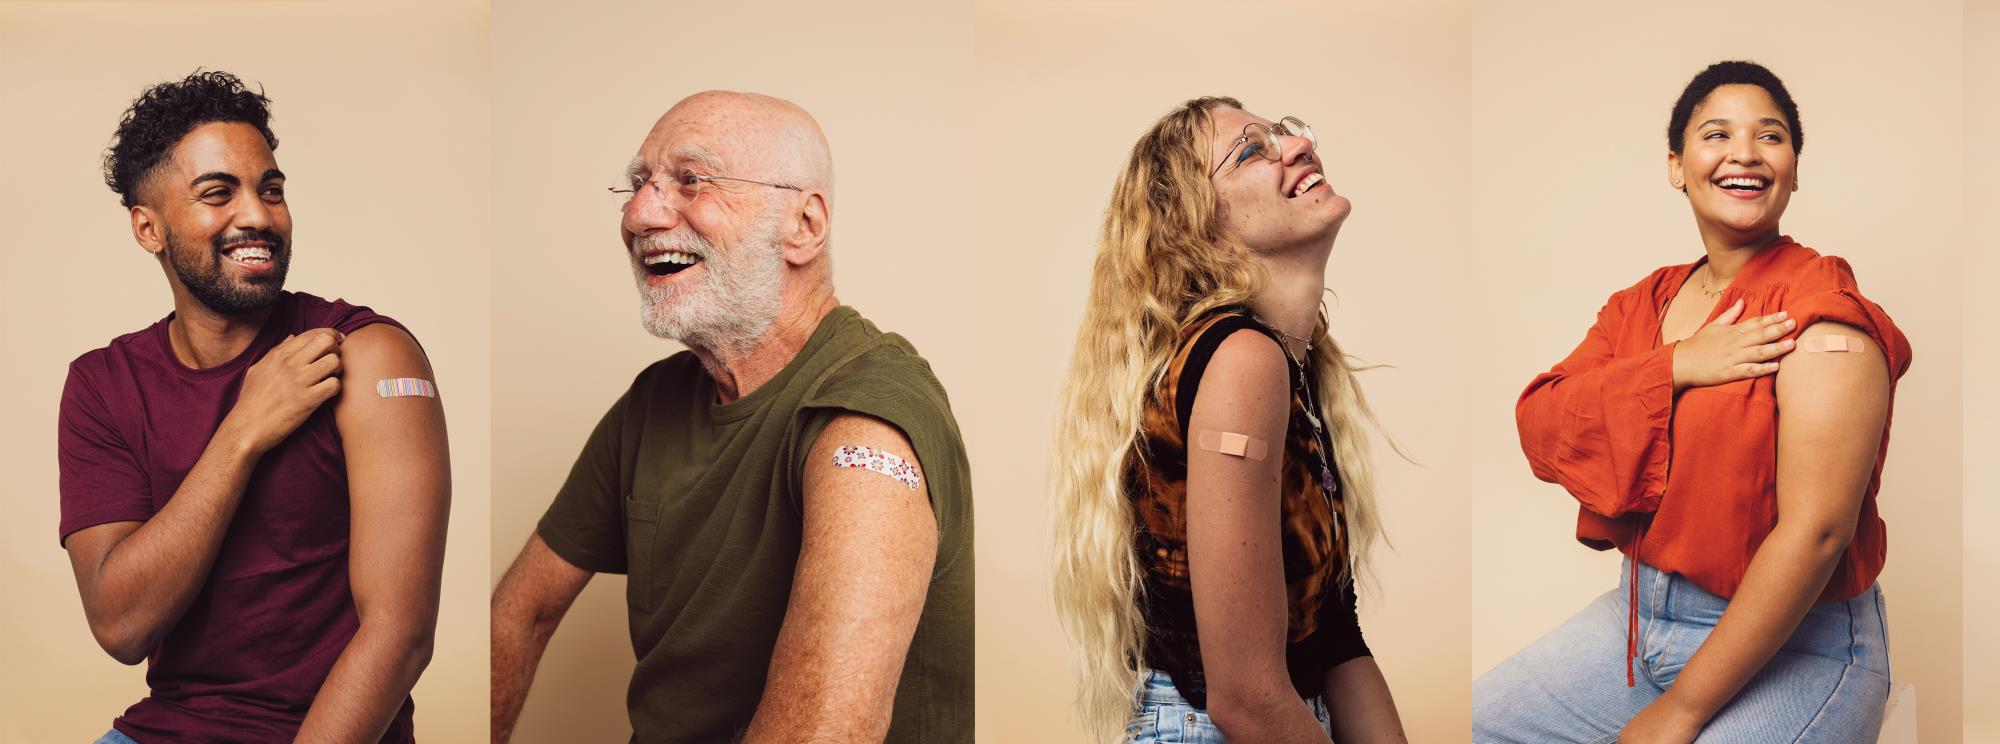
(1598, 425)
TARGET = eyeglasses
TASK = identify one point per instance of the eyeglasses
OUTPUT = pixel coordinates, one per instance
(688, 185)
(1260, 140)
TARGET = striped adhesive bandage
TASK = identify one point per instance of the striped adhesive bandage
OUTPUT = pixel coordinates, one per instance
(406, 387)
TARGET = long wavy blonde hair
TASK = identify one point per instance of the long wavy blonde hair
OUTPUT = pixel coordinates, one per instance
(1163, 261)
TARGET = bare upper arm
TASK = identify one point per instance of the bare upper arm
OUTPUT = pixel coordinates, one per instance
(870, 540)
(398, 472)
(865, 560)
(1235, 554)
(1832, 407)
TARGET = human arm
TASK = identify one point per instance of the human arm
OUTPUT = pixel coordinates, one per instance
(527, 606)
(137, 578)
(1832, 408)
(1358, 699)
(1235, 560)
(1599, 426)
(868, 546)
(399, 496)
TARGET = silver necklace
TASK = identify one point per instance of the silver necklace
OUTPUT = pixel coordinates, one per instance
(1305, 389)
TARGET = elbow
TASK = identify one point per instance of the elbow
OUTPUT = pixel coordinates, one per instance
(1823, 541)
(127, 646)
(1242, 714)
(409, 645)
(419, 651)
(415, 647)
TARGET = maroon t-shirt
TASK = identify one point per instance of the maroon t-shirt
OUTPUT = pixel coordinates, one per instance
(245, 661)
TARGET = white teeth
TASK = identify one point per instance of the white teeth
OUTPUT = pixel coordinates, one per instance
(672, 257)
(1745, 181)
(1308, 182)
(249, 254)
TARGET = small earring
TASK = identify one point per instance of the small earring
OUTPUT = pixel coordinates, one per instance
(1677, 183)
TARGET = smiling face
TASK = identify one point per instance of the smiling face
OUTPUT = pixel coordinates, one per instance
(708, 256)
(215, 212)
(1277, 205)
(1737, 163)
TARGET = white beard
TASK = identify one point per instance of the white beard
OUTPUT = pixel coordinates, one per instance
(737, 299)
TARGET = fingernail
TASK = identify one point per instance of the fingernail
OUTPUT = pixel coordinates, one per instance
(1787, 343)
(1790, 323)
(1783, 314)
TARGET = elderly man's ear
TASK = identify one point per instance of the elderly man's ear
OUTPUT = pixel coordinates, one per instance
(808, 236)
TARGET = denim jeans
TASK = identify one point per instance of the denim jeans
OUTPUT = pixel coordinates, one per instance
(1827, 683)
(1161, 716)
(114, 737)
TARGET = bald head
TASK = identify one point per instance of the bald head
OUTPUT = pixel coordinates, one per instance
(753, 136)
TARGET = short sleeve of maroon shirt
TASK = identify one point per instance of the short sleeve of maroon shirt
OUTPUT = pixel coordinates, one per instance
(245, 661)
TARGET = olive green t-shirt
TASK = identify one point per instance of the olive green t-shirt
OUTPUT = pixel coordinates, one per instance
(700, 503)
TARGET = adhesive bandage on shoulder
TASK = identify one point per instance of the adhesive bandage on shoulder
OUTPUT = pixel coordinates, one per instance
(1830, 342)
(886, 463)
(406, 387)
(1232, 443)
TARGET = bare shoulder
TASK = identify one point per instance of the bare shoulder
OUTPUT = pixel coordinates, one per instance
(1835, 361)
(383, 344)
(1248, 380)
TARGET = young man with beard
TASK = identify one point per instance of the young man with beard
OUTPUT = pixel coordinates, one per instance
(789, 497)
(251, 499)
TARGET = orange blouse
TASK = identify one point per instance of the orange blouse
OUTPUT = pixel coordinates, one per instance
(1694, 481)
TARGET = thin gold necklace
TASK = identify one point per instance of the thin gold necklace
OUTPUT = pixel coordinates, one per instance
(1705, 274)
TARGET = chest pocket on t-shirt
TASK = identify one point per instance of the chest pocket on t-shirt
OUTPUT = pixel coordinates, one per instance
(642, 528)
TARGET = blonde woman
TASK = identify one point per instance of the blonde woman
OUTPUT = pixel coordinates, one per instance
(1213, 470)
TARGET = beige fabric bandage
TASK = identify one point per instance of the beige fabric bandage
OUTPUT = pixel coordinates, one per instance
(1829, 343)
(1232, 443)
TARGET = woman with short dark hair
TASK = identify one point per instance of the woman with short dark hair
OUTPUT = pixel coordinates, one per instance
(1748, 609)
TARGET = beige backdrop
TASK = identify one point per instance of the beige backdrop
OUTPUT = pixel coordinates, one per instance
(387, 153)
(1569, 107)
(1982, 369)
(584, 83)
(1065, 90)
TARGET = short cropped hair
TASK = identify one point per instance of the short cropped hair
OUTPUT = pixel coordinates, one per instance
(161, 116)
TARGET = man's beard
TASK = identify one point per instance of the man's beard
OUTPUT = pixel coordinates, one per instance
(212, 287)
(737, 299)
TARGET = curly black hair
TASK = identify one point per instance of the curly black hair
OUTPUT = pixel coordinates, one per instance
(1732, 72)
(165, 113)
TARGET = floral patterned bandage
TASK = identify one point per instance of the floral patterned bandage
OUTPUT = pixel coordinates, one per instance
(856, 456)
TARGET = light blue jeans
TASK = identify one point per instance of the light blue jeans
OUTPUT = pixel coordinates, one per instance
(114, 737)
(1161, 716)
(1826, 684)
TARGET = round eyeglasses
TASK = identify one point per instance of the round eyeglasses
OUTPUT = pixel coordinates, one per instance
(1262, 141)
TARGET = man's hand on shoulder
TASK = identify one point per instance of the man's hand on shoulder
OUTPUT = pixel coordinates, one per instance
(283, 389)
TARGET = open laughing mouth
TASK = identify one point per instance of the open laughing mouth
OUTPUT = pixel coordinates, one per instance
(1310, 182)
(255, 256)
(1744, 186)
(669, 263)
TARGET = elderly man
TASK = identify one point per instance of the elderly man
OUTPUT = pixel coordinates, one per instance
(254, 488)
(789, 497)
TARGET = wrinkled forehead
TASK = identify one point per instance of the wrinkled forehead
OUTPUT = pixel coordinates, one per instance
(710, 136)
(1226, 126)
